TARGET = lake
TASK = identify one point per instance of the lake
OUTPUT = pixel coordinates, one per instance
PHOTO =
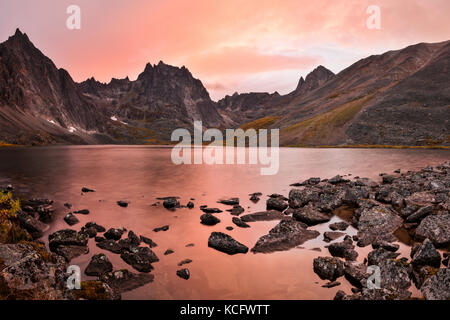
(140, 174)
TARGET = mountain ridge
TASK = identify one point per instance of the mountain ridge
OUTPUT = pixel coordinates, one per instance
(400, 97)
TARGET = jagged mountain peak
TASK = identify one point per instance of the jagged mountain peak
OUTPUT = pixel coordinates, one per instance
(314, 79)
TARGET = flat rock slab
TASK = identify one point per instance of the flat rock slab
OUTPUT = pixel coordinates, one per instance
(286, 235)
(124, 280)
(225, 243)
(269, 215)
(310, 215)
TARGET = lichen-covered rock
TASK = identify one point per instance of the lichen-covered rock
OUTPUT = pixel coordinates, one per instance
(140, 258)
(395, 275)
(377, 256)
(284, 236)
(98, 265)
(276, 204)
(344, 249)
(310, 215)
(436, 228)
(425, 254)
(299, 198)
(328, 268)
(225, 243)
(437, 287)
(377, 223)
(114, 234)
(28, 271)
(124, 280)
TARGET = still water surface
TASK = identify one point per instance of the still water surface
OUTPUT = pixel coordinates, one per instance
(140, 174)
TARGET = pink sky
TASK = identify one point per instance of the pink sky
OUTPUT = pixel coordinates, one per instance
(231, 45)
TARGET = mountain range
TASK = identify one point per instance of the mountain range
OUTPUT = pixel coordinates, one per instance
(400, 97)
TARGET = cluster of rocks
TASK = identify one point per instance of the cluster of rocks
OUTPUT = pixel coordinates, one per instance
(413, 202)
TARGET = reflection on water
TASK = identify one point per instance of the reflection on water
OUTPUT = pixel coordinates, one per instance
(141, 174)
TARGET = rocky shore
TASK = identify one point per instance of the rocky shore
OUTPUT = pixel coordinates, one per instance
(410, 203)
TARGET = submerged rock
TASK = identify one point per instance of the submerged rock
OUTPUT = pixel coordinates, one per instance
(329, 236)
(163, 228)
(225, 243)
(236, 210)
(264, 216)
(230, 202)
(284, 236)
(124, 280)
(240, 223)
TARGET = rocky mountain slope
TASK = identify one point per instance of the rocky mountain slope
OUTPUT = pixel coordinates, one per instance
(398, 98)
(401, 97)
(162, 99)
(41, 104)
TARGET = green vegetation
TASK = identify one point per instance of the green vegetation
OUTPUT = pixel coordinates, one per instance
(91, 290)
(262, 123)
(323, 126)
(10, 229)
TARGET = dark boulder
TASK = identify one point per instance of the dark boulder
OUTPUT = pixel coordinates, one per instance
(184, 274)
(124, 280)
(436, 228)
(276, 204)
(159, 229)
(70, 219)
(284, 236)
(425, 254)
(98, 265)
(122, 203)
(83, 212)
(328, 268)
(264, 216)
(209, 219)
(341, 226)
(114, 234)
(110, 245)
(437, 287)
(240, 223)
(140, 258)
(310, 215)
(225, 243)
(230, 202)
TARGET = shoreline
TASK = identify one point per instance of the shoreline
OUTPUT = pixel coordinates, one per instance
(408, 200)
(356, 146)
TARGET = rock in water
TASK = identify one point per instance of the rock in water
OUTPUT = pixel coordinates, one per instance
(86, 190)
(140, 258)
(114, 234)
(171, 202)
(230, 202)
(122, 204)
(377, 223)
(184, 274)
(225, 243)
(209, 219)
(328, 268)
(124, 280)
(284, 236)
(99, 265)
(310, 215)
